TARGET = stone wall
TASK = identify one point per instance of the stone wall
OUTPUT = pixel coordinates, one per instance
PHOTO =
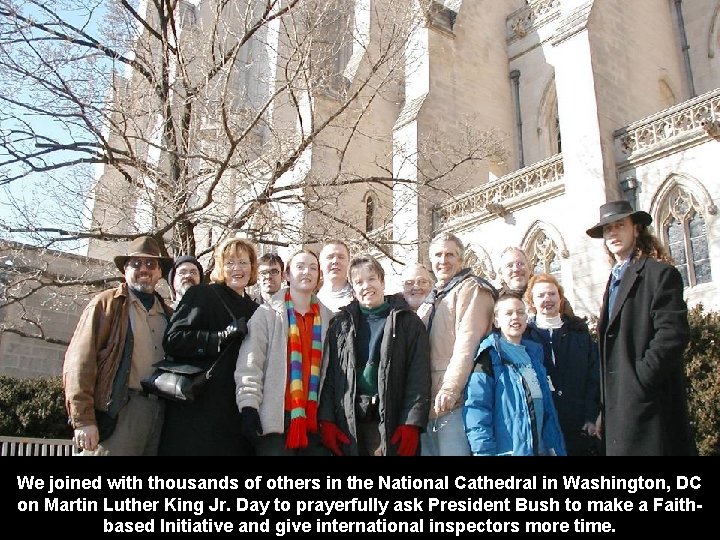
(34, 334)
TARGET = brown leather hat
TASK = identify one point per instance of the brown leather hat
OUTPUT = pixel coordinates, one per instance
(146, 247)
(614, 211)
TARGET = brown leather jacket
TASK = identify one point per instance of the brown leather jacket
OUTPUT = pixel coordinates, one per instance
(93, 356)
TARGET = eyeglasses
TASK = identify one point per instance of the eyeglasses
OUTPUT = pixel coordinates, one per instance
(519, 264)
(150, 264)
(271, 272)
(191, 272)
(420, 282)
(229, 265)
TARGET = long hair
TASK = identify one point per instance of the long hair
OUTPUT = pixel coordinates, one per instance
(646, 244)
(649, 244)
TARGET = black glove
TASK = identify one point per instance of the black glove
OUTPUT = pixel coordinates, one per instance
(234, 330)
(250, 425)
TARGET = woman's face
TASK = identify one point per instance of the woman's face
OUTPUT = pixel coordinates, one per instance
(546, 299)
(303, 273)
(237, 268)
(368, 287)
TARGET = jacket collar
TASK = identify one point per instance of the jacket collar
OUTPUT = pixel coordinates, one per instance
(626, 285)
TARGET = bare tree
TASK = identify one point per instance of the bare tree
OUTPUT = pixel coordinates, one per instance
(192, 119)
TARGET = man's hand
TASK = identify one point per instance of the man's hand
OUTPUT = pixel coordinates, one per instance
(590, 429)
(599, 426)
(444, 402)
(86, 437)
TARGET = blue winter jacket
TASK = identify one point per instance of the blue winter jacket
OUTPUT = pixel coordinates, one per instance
(498, 411)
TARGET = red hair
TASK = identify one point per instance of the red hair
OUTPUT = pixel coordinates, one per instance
(543, 278)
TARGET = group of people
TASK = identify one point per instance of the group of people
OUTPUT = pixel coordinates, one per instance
(323, 361)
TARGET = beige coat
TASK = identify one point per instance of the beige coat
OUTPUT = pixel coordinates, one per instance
(261, 373)
(462, 319)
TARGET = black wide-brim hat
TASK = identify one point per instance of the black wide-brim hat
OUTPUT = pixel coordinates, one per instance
(614, 211)
(147, 248)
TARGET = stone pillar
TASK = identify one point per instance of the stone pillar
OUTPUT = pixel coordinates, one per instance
(587, 172)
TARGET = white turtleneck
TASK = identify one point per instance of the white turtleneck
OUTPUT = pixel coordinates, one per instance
(549, 324)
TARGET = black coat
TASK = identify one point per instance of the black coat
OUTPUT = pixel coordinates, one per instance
(403, 374)
(211, 424)
(575, 377)
(641, 344)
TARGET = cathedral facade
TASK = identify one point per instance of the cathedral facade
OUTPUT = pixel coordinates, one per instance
(602, 100)
(599, 101)
(593, 101)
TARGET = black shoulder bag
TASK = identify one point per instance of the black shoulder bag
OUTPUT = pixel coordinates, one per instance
(178, 381)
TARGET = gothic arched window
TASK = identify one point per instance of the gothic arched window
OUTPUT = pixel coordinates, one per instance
(479, 263)
(686, 236)
(548, 120)
(544, 256)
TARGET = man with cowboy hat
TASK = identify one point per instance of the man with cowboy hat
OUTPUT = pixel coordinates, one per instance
(115, 344)
(642, 334)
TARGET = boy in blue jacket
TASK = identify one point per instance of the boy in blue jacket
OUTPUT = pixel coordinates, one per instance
(509, 409)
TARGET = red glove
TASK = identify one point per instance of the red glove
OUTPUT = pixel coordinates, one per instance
(331, 437)
(407, 439)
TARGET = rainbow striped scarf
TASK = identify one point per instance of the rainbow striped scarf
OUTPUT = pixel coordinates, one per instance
(303, 411)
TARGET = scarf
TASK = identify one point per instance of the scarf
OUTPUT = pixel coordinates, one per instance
(436, 295)
(303, 412)
(548, 322)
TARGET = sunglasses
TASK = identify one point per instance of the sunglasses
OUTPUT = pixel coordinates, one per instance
(150, 264)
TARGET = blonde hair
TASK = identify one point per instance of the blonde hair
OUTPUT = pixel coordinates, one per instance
(543, 278)
(233, 247)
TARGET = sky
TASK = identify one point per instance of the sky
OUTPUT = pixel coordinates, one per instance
(35, 187)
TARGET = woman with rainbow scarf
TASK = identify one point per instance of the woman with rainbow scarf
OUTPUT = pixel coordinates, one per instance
(279, 366)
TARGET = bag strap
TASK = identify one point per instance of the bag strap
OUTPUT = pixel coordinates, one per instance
(462, 275)
(209, 372)
(222, 301)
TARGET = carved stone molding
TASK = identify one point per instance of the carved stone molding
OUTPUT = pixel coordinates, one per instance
(527, 19)
(692, 119)
(574, 22)
(503, 193)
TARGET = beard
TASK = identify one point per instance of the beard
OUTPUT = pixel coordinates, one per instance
(184, 287)
(142, 287)
(415, 302)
